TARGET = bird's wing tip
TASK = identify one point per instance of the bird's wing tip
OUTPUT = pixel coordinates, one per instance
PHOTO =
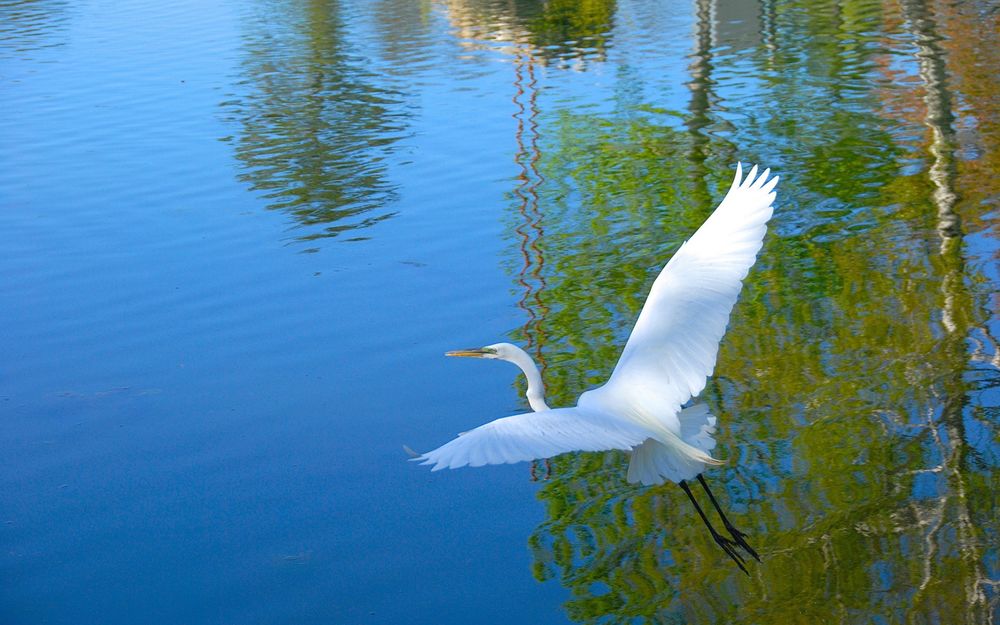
(753, 181)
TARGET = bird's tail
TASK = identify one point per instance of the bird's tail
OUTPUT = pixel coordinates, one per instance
(676, 458)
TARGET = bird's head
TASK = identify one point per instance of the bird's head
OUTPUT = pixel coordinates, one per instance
(502, 351)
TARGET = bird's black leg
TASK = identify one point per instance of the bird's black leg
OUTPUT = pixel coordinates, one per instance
(737, 535)
(727, 545)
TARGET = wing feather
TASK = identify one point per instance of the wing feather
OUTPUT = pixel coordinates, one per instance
(534, 435)
(673, 347)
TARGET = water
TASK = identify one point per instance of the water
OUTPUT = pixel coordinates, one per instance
(236, 238)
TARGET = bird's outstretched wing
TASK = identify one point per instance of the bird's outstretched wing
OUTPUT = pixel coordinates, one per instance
(673, 346)
(534, 435)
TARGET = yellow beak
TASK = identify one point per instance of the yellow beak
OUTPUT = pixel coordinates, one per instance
(472, 352)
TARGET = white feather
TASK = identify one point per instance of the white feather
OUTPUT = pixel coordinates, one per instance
(666, 361)
(536, 435)
(654, 462)
(673, 346)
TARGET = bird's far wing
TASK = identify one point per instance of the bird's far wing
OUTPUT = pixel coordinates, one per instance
(673, 346)
(534, 435)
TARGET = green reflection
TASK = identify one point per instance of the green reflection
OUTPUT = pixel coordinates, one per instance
(566, 30)
(316, 121)
(857, 411)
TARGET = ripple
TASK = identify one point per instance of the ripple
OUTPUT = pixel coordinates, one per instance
(315, 124)
(28, 26)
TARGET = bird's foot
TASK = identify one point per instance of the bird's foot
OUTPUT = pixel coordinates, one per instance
(740, 539)
(729, 547)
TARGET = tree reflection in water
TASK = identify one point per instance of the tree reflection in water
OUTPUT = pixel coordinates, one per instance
(317, 121)
(856, 418)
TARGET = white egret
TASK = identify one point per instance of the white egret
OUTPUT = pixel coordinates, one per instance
(666, 361)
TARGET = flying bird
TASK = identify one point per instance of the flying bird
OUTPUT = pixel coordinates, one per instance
(665, 363)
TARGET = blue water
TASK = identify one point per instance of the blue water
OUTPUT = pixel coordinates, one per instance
(236, 239)
(202, 422)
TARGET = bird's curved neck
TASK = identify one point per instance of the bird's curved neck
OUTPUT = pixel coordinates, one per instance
(536, 389)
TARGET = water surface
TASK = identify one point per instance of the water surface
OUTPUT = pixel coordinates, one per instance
(236, 238)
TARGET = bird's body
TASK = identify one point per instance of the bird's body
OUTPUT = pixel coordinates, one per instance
(666, 361)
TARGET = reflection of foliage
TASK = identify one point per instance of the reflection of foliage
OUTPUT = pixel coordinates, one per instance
(629, 172)
(833, 362)
(316, 125)
(853, 157)
(863, 460)
(559, 23)
(558, 29)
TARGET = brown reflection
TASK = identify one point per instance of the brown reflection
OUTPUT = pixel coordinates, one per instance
(529, 229)
(946, 431)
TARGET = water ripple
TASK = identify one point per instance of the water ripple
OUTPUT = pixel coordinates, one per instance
(314, 124)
